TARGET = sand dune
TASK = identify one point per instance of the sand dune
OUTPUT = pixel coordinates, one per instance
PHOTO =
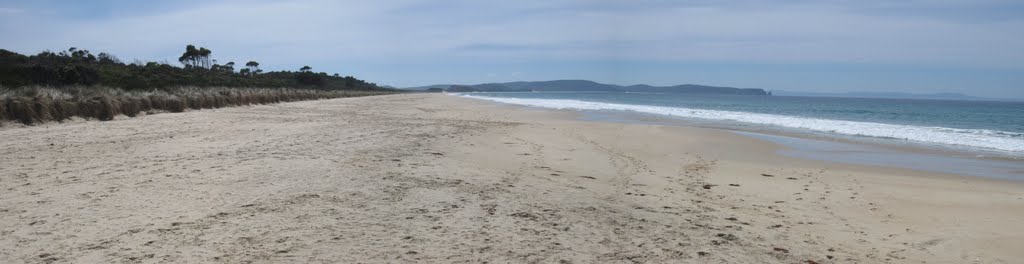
(431, 178)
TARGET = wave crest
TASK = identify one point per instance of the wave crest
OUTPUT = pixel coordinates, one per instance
(982, 138)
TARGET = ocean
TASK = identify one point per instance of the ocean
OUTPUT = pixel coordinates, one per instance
(985, 127)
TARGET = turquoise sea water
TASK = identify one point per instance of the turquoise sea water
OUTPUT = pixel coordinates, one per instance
(996, 127)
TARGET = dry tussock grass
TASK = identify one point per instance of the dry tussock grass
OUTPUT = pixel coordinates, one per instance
(32, 105)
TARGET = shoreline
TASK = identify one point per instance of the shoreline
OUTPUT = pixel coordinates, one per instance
(771, 148)
(929, 157)
(765, 152)
(435, 178)
(693, 117)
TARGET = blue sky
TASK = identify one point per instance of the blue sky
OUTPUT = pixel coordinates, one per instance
(918, 46)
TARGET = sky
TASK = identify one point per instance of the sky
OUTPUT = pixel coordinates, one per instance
(973, 47)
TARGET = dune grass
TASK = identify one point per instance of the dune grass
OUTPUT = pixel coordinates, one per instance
(33, 105)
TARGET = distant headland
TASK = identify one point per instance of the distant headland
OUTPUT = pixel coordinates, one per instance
(588, 86)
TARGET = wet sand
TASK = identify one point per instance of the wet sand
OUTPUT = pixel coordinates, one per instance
(435, 178)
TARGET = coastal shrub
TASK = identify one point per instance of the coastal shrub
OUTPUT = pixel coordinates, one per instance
(156, 102)
(64, 109)
(177, 104)
(3, 110)
(31, 105)
(21, 110)
(144, 103)
(108, 108)
(41, 105)
(130, 107)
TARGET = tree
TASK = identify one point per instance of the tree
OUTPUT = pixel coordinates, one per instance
(253, 66)
(305, 77)
(305, 68)
(78, 66)
(107, 58)
(204, 57)
(191, 57)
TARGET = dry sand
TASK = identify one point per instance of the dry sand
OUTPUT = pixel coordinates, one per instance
(435, 178)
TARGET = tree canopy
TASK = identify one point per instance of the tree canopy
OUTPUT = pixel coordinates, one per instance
(80, 67)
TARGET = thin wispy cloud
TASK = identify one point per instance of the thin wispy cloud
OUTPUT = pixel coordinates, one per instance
(10, 11)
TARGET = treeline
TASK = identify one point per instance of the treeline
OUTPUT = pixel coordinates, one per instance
(199, 69)
(79, 84)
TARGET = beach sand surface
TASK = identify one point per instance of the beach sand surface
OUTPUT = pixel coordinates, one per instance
(431, 178)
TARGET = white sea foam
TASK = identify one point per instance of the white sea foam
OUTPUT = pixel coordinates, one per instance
(982, 138)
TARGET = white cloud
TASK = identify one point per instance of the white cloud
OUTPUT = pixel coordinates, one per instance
(10, 11)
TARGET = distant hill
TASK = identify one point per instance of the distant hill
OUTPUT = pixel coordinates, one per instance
(892, 95)
(427, 87)
(591, 86)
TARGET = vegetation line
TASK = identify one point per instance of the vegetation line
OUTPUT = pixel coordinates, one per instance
(31, 105)
(81, 67)
(76, 83)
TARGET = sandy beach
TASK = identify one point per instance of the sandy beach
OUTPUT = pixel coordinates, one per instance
(431, 178)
